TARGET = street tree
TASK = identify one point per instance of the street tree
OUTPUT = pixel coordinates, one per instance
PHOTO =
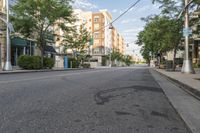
(35, 18)
(78, 41)
(160, 35)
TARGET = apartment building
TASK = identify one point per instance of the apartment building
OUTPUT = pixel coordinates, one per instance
(121, 45)
(118, 42)
(105, 40)
(115, 39)
(83, 19)
(102, 34)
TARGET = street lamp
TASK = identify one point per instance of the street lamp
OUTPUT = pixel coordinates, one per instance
(8, 66)
(110, 57)
(187, 64)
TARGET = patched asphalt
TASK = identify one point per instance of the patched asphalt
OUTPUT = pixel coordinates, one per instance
(117, 100)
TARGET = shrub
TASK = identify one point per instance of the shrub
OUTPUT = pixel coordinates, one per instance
(104, 59)
(48, 63)
(179, 61)
(85, 65)
(29, 62)
(75, 63)
(198, 63)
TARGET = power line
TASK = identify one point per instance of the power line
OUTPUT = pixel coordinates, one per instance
(134, 4)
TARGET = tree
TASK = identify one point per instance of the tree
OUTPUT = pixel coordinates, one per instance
(115, 55)
(35, 18)
(161, 34)
(127, 60)
(77, 40)
(173, 8)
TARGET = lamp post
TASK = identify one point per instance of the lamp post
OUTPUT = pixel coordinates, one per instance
(187, 64)
(110, 57)
(7, 66)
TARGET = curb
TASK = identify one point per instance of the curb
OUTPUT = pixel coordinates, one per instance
(192, 91)
(171, 101)
(46, 70)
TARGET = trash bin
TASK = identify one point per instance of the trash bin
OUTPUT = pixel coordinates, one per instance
(169, 65)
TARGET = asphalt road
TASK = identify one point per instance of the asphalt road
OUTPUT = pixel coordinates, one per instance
(117, 100)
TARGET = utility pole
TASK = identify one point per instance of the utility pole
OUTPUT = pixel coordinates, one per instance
(8, 66)
(187, 64)
(110, 57)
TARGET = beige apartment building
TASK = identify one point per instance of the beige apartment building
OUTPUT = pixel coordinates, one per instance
(104, 39)
(118, 42)
(82, 19)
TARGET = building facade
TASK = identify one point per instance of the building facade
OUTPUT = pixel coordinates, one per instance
(105, 39)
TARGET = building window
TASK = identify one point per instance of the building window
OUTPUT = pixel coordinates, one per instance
(96, 26)
(84, 20)
(96, 19)
(96, 35)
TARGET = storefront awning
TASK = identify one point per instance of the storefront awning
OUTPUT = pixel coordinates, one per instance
(17, 41)
(50, 49)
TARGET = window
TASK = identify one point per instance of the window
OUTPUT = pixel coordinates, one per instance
(96, 35)
(96, 26)
(84, 20)
(96, 19)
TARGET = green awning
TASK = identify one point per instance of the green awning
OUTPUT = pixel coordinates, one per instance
(16, 41)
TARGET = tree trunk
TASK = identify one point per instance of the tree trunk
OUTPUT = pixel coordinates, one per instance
(148, 61)
(42, 57)
(174, 58)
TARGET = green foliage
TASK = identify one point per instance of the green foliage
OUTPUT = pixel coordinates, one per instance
(179, 61)
(170, 7)
(197, 65)
(85, 65)
(34, 18)
(34, 62)
(78, 40)
(73, 62)
(115, 55)
(160, 35)
(29, 62)
(104, 59)
(48, 63)
(127, 60)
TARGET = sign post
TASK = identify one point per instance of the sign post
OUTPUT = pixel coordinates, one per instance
(65, 62)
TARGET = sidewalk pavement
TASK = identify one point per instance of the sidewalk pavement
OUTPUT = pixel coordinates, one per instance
(15, 71)
(189, 82)
(187, 106)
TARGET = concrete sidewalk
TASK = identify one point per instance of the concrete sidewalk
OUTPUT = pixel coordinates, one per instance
(43, 70)
(189, 82)
(187, 106)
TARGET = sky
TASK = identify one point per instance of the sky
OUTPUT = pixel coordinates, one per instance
(130, 24)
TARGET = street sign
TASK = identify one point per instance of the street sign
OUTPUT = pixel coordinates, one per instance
(187, 32)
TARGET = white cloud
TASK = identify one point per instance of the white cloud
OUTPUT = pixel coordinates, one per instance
(84, 4)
